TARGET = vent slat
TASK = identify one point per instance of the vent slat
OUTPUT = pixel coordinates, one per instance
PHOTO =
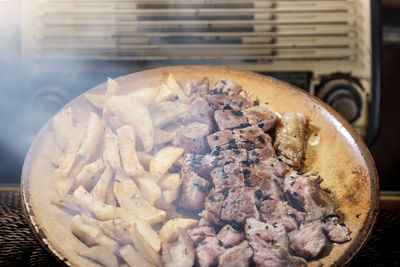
(68, 10)
(199, 30)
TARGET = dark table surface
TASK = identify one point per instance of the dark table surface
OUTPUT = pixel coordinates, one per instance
(18, 247)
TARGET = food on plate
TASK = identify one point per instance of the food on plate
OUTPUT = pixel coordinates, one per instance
(175, 176)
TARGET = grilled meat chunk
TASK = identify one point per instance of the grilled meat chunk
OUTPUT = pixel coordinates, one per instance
(201, 111)
(192, 138)
(336, 231)
(249, 138)
(237, 256)
(291, 138)
(274, 233)
(230, 119)
(208, 252)
(309, 240)
(275, 168)
(263, 183)
(304, 192)
(268, 255)
(222, 86)
(194, 189)
(276, 211)
(261, 116)
(200, 164)
(212, 210)
(180, 253)
(228, 176)
(198, 234)
(230, 237)
(197, 87)
(239, 205)
(232, 155)
(236, 205)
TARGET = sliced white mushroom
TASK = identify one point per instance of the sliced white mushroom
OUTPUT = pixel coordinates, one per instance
(92, 139)
(90, 174)
(127, 149)
(130, 197)
(100, 255)
(133, 257)
(129, 110)
(99, 191)
(76, 138)
(62, 127)
(100, 210)
(90, 235)
(111, 150)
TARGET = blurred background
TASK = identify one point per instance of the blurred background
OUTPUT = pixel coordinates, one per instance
(346, 52)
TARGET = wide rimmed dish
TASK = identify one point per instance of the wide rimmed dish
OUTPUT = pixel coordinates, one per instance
(341, 158)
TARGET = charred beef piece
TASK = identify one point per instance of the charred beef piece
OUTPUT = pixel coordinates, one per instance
(291, 138)
(304, 192)
(180, 253)
(263, 183)
(201, 164)
(239, 205)
(249, 138)
(201, 111)
(275, 211)
(198, 234)
(238, 256)
(192, 138)
(240, 100)
(197, 87)
(212, 210)
(275, 168)
(336, 231)
(230, 119)
(261, 116)
(309, 240)
(274, 233)
(230, 237)
(218, 101)
(268, 255)
(232, 205)
(208, 252)
(232, 155)
(194, 190)
(228, 176)
(260, 154)
(222, 86)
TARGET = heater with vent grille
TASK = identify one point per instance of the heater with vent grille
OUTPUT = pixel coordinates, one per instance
(322, 46)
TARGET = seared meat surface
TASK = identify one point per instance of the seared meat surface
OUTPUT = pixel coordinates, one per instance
(201, 111)
(230, 237)
(241, 173)
(336, 231)
(229, 119)
(198, 234)
(193, 192)
(238, 256)
(208, 252)
(305, 192)
(192, 138)
(268, 255)
(309, 241)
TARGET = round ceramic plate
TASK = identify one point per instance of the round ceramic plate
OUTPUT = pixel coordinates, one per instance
(341, 158)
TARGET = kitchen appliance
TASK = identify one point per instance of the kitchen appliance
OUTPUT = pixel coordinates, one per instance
(328, 48)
